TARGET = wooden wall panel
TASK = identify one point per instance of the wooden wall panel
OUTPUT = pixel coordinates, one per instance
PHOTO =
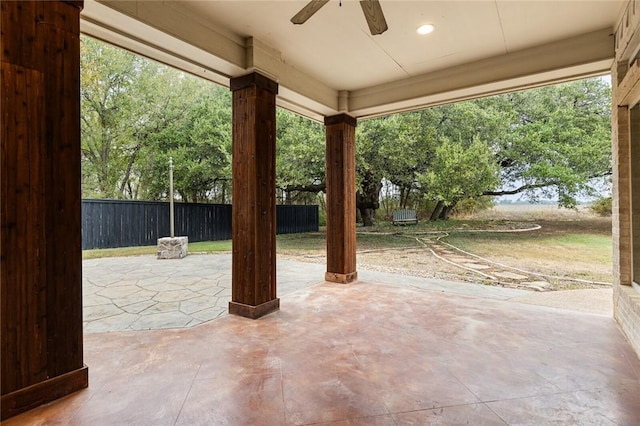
(341, 198)
(254, 196)
(22, 232)
(41, 260)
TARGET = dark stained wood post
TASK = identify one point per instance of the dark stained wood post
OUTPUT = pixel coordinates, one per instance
(254, 196)
(341, 198)
(41, 253)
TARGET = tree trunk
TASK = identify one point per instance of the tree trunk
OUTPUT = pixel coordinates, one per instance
(367, 199)
(127, 173)
(405, 193)
(444, 214)
(437, 210)
(367, 217)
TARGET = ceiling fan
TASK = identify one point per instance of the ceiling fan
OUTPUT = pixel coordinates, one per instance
(371, 9)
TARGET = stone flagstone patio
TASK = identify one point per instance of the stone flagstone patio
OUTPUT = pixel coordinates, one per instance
(142, 292)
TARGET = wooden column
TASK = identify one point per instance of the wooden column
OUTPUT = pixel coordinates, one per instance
(254, 196)
(341, 198)
(41, 257)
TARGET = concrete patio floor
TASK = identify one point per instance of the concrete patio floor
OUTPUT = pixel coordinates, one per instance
(142, 292)
(362, 354)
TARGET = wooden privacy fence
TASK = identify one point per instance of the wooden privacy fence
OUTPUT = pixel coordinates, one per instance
(116, 223)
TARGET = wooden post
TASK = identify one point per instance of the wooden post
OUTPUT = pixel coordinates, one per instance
(41, 246)
(341, 198)
(254, 196)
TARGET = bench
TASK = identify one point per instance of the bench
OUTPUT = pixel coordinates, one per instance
(404, 216)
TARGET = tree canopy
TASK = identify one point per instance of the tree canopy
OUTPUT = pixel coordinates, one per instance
(459, 172)
(136, 113)
(299, 157)
(552, 141)
(560, 141)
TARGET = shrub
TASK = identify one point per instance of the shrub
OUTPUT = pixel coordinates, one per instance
(471, 206)
(322, 216)
(602, 206)
(424, 208)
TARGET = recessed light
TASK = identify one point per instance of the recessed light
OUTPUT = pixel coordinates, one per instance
(425, 29)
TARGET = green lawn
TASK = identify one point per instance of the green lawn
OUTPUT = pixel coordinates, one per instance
(316, 242)
(586, 247)
(199, 247)
(563, 248)
(286, 244)
(576, 253)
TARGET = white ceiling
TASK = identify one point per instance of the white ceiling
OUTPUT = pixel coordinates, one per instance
(332, 63)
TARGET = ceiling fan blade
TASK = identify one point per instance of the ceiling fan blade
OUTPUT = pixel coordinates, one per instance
(307, 12)
(374, 16)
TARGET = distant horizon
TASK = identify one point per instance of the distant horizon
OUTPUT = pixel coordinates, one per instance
(541, 202)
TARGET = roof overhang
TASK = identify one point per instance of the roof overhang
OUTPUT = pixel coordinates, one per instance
(165, 32)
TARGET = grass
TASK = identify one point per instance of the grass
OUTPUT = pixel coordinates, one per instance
(297, 243)
(566, 245)
(578, 252)
(569, 244)
(199, 247)
(313, 242)
(588, 247)
(210, 246)
(425, 226)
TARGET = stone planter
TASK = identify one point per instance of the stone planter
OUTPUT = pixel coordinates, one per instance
(173, 248)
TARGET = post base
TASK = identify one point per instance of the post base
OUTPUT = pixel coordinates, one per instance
(336, 277)
(49, 390)
(254, 312)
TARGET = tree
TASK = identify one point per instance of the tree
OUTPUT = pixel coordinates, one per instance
(200, 145)
(371, 137)
(407, 151)
(403, 147)
(300, 157)
(559, 143)
(459, 172)
(555, 139)
(137, 113)
(106, 78)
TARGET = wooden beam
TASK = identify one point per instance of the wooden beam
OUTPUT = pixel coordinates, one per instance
(254, 196)
(40, 193)
(341, 198)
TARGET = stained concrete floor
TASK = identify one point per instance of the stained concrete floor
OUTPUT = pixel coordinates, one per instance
(363, 354)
